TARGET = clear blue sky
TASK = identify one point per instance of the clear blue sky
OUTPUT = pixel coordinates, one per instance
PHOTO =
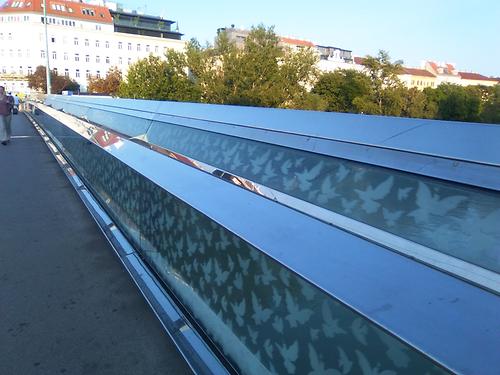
(464, 32)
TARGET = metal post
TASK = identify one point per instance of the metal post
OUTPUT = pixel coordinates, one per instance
(46, 47)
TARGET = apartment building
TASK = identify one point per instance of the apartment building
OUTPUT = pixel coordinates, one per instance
(84, 39)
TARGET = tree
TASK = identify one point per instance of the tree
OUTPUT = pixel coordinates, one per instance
(458, 103)
(491, 110)
(38, 81)
(106, 86)
(385, 83)
(156, 78)
(262, 73)
(340, 88)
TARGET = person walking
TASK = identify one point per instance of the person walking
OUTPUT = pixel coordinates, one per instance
(6, 104)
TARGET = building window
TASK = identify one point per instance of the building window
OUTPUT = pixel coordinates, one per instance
(55, 70)
(157, 49)
(77, 73)
(19, 53)
(98, 27)
(120, 60)
(129, 46)
(87, 73)
(54, 55)
(87, 58)
(53, 40)
(147, 48)
(75, 41)
(107, 60)
(77, 57)
(88, 12)
(65, 56)
(42, 54)
(66, 72)
(98, 74)
(97, 44)
(138, 48)
(86, 42)
(107, 44)
(10, 36)
(97, 59)
(120, 45)
(30, 70)
(129, 61)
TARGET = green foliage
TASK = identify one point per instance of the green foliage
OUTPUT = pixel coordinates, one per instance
(159, 79)
(491, 110)
(261, 74)
(264, 73)
(458, 103)
(340, 88)
(385, 84)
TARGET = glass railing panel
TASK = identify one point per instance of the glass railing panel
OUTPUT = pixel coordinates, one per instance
(263, 317)
(122, 123)
(455, 219)
(75, 109)
(83, 154)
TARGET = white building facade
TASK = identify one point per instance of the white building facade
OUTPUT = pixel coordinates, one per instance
(83, 39)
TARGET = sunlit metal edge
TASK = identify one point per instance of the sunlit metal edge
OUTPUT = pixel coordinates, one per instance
(71, 121)
(199, 358)
(443, 167)
(199, 123)
(454, 266)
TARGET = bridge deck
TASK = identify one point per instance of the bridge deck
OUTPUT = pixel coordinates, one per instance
(66, 303)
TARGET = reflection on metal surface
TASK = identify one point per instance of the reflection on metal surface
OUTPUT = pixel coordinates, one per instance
(425, 211)
(198, 356)
(202, 262)
(464, 269)
(243, 299)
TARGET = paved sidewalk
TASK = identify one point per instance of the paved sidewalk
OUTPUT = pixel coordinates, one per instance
(67, 306)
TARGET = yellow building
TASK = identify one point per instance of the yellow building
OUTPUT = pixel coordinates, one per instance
(418, 78)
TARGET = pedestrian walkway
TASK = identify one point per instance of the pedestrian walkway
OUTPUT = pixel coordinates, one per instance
(67, 306)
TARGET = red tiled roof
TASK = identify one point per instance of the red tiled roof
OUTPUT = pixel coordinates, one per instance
(434, 66)
(417, 72)
(359, 60)
(101, 14)
(297, 42)
(476, 77)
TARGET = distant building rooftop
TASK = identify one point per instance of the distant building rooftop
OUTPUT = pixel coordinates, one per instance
(359, 60)
(417, 72)
(476, 77)
(297, 42)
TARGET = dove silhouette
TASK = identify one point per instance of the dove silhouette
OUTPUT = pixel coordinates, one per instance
(431, 204)
(371, 195)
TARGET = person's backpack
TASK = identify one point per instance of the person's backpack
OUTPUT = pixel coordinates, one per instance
(13, 107)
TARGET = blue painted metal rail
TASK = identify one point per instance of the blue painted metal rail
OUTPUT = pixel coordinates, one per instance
(301, 242)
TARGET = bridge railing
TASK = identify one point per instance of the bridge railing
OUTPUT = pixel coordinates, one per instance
(289, 237)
